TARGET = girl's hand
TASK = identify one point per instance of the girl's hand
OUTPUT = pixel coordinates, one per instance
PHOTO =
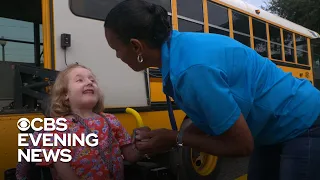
(136, 134)
(130, 152)
(155, 141)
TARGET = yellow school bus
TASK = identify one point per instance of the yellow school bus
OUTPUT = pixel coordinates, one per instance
(41, 37)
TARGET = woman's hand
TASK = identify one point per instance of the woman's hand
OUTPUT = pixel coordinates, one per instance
(236, 141)
(155, 141)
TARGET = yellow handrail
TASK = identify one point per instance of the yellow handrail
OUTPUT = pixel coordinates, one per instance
(136, 115)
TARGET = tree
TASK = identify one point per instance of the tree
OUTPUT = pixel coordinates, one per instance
(303, 12)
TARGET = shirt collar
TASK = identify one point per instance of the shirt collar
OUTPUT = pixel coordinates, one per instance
(165, 57)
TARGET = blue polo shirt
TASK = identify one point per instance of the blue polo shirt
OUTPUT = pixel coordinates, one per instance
(214, 79)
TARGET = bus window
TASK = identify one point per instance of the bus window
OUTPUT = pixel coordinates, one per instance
(190, 9)
(190, 26)
(260, 37)
(98, 9)
(302, 49)
(241, 28)
(275, 42)
(315, 49)
(21, 43)
(218, 19)
(18, 37)
(288, 46)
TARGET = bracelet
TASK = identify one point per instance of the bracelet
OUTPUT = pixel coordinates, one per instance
(141, 155)
(179, 139)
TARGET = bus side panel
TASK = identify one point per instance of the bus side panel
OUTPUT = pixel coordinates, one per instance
(9, 140)
(121, 86)
(299, 73)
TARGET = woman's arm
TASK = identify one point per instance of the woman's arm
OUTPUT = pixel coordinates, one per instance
(207, 99)
(236, 141)
(206, 93)
(130, 153)
(193, 137)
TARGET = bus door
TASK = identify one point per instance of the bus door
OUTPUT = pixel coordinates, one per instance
(81, 21)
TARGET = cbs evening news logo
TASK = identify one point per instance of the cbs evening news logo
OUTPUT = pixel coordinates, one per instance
(47, 137)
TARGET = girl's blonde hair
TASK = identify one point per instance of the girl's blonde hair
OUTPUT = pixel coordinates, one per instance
(59, 105)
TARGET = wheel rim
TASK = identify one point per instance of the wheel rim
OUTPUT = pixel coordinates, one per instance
(203, 163)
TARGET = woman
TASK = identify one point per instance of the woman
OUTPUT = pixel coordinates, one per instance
(244, 102)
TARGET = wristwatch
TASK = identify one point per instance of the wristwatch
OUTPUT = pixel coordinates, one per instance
(179, 139)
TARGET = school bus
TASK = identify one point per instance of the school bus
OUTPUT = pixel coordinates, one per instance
(40, 37)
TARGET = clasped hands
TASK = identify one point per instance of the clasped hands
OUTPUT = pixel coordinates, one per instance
(150, 142)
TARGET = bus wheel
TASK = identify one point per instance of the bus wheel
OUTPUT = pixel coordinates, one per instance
(197, 165)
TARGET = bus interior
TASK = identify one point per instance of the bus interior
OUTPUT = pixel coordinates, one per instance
(22, 44)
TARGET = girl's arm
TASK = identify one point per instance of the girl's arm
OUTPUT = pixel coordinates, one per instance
(128, 149)
(64, 171)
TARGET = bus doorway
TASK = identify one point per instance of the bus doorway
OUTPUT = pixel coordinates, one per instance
(24, 39)
(22, 42)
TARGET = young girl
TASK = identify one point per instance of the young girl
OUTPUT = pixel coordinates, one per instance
(76, 96)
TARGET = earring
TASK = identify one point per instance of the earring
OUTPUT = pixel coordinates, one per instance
(140, 58)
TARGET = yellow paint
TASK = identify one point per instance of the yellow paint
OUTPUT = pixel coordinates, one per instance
(244, 177)
(156, 90)
(208, 163)
(268, 40)
(46, 31)
(230, 23)
(309, 52)
(290, 63)
(53, 37)
(310, 74)
(300, 73)
(9, 140)
(174, 14)
(251, 32)
(205, 15)
(282, 45)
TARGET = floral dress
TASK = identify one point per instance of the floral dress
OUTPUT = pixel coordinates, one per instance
(86, 161)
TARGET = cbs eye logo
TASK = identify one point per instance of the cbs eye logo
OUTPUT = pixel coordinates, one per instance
(23, 124)
(49, 124)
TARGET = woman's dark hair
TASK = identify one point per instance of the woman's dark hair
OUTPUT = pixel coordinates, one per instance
(140, 20)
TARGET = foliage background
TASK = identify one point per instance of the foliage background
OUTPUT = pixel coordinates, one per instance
(303, 12)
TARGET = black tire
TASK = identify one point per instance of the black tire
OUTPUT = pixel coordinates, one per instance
(186, 169)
